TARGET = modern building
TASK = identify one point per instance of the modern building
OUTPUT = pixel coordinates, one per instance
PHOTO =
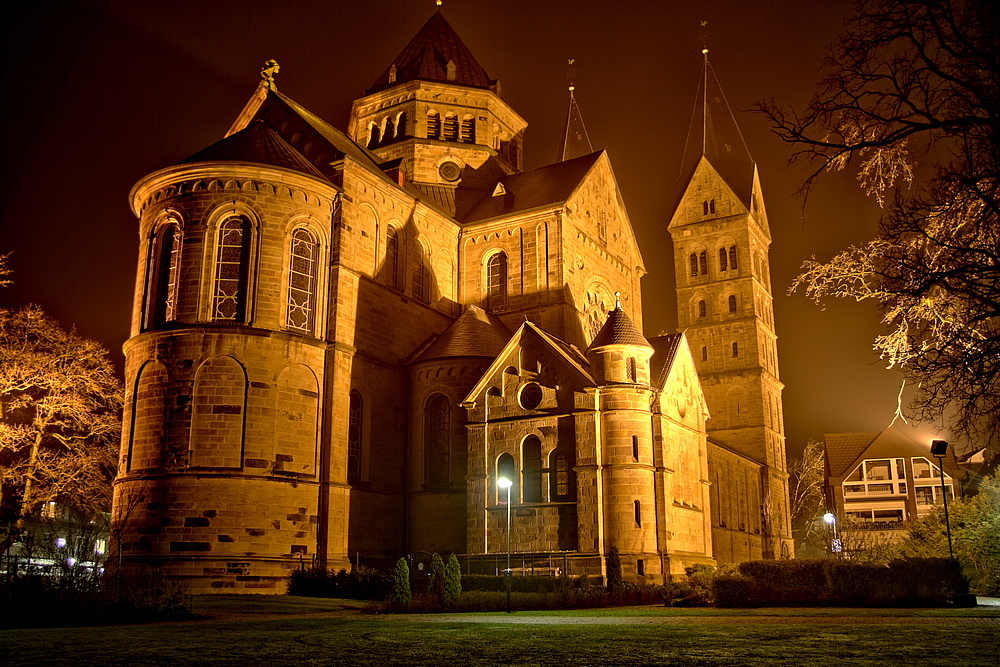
(342, 341)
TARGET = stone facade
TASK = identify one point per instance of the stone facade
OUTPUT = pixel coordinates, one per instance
(340, 343)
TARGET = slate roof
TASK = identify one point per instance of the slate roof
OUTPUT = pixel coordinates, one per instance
(618, 330)
(664, 350)
(842, 449)
(259, 144)
(427, 55)
(474, 333)
(545, 186)
(715, 135)
(575, 141)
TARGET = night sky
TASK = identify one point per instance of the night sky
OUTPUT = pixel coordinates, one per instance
(101, 93)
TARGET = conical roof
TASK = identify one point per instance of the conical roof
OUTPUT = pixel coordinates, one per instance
(258, 143)
(475, 333)
(618, 330)
(575, 141)
(715, 135)
(426, 58)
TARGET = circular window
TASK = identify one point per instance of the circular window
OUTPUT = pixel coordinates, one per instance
(450, 171)
(531, 396)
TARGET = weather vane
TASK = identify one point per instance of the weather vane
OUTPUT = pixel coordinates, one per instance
(703, 34)
(571, 74)
(267, 73)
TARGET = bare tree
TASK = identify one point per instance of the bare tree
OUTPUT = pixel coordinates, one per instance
(807, 476)
(60, 420)
(911, 96)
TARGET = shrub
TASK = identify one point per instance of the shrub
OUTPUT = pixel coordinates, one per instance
(614, 567)
(452, 580)
(362, 583)
(540, 584)
(738, 591)
(401, 595)
(436, 590)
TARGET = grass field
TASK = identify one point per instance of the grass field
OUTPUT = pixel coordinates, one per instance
(261, 631)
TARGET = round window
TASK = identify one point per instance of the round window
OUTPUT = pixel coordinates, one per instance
(531, 396)
(450, 171)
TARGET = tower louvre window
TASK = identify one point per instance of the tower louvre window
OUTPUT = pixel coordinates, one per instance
(168, 252)
(732, 257)
(496, 281)
(694, 264)
(389, 133)
(355, 437)
(469, 130)
(451, 127)
(433, 125)
(231, 268)
(401, 125)
(532, 453)
(723, 257)
(374, 136)
(302, 266)
(703, 262)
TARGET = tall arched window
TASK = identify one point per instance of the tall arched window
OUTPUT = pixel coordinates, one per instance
(231, 269)
(723, 259)
(433, 125)
(630, 369)
(437, 441)
(736, 349)
(732, 303)
(374, 136)
(531, 452)
(391, 268)
(561, 483)
(167, 251)
(302, 265)
(421, 284)
(703, 262)
(732, 257)
(401, 125)
(355, 437)
(506, 469)
(694, 264)
(389, 132)
(702, 308)
(704, 353)
(496, 281)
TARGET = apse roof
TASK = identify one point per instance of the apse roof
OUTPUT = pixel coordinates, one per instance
(544, 186)
(256, 143)
(618, 330)
(426, 58)
(474, 333)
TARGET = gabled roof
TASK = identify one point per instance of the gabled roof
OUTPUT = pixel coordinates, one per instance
(575, 140)
(664, 351)
(426, 58)
(843, 449)
(846, 450)
(256, 143)
(568, 353)
(618, 330)
(545, 186)
(474, 333)
(715, 135)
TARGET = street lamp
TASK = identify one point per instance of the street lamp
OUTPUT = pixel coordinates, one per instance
(831, 521)
(505, 483)
(938, 450)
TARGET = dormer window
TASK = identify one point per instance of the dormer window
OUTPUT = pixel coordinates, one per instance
(392, 74)
(451, 70)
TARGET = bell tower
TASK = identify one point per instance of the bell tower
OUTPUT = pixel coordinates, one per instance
(724, 304)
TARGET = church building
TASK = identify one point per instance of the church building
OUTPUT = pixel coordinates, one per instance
(352, 346)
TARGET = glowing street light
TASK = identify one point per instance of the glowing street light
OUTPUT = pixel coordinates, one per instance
(505, 483)
(831, 520)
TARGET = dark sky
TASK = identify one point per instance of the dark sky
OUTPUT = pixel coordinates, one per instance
(101, 93)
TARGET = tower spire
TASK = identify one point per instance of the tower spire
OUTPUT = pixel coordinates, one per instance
(575, 141)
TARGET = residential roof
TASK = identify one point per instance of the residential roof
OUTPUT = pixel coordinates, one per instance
(427, 56)
(575, 140)
(474, 333)
(843, 449)
(664, 350)
(618, 330)
(715, 135)
(545, 186)
(256, 143)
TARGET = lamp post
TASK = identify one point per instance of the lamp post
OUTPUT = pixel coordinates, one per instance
(938, 450)
(505, 483)
(831, 521)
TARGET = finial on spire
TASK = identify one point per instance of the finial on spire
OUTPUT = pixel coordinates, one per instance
(438, 3)
(703, 34)
(571, 75)
(267, 73)
(618, 300)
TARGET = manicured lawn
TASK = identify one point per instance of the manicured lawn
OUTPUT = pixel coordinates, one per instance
(237, 637)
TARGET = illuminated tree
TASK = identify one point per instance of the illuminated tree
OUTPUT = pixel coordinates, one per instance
(910, 96)
(60, 421)
(806, 477)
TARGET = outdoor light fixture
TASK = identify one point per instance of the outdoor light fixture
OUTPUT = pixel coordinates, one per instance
(938, 450)
(60, 542)
(505, 483)
(835, 545)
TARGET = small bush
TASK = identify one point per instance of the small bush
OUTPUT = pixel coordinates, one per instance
(436, 590)
(401, 595)
(738, 591)
(363, 583)
(452, 580)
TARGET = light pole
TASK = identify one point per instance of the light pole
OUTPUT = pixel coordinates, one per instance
(505, 483)
(938, 450)
(835, 544)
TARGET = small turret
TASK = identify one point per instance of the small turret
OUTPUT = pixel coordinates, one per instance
(620, 354)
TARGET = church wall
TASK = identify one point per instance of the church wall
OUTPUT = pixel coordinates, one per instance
(736, 499)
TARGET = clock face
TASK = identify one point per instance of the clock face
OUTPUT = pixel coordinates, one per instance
(450, 171)
(530, 397)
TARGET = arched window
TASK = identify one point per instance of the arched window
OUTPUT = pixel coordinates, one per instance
(630, 369)
(496, 281)
(704, 353)
(433, 125)
(723, 257)
(469, 130)
(637, 511)
(374, 135)
(736, 349)
(702, 309)
(703, 262)
(421, 284)
(392, 257)
(389, 132)
(355, 437)
(732, 303)
(302, 266)
(437, 441)
(732, 257)
(531, 452)
(711, 206)
(451, 127)
(401, 125)
(231, 269)
(560, 476)
(506, 469)
(167, 251)
(635, 447)
(694, 264)
(704, 207)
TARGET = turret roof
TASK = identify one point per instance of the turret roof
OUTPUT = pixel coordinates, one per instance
(618, 330)
(426, 58)
(257, 143)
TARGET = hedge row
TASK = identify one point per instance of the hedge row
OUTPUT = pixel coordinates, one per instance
(910, 582)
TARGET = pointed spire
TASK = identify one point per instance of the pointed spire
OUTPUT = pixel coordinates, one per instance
(436, 53)
(575, 140)
(715, 135)
(618, 329)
